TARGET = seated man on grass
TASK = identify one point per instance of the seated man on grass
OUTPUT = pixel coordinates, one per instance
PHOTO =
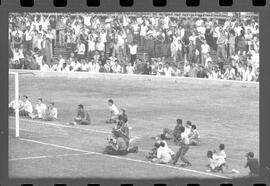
(172, 134)
(217, 159)
(194, 136)
(163, 154)
(39, 111)
(51, 113)
(26, 108)
(82, 117)
(12, 107)
(114, 112)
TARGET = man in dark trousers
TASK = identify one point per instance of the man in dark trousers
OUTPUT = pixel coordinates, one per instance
(184, 147)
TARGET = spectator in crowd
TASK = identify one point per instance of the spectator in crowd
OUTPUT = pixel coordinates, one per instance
(108, 43)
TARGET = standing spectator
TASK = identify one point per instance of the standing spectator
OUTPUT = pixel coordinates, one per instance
(205, 49)
(221, 45)
(133, 52)
(46, 50)
(231, 43)
(80, 50)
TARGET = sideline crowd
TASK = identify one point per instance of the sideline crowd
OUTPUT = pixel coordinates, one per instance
(166, 45)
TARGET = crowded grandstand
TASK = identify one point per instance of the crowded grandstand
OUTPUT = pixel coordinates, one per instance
(202, 45)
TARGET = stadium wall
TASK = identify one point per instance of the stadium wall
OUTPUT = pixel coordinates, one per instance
(137, 77)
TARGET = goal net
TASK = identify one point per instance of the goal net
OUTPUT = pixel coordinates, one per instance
(25, 83)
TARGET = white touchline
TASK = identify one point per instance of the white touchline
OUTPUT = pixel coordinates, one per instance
(49, 156)
(122, 158)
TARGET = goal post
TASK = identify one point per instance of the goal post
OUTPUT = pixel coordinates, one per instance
(16, 78)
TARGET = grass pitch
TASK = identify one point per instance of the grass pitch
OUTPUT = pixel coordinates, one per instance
(224, 112)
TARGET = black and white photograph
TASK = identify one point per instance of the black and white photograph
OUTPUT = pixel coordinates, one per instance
(134, 95)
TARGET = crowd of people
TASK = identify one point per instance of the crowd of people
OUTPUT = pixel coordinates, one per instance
(139, 43)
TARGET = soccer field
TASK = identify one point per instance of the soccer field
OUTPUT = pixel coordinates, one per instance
(224, 112)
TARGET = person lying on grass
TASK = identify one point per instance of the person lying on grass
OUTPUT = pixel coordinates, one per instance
(51, 113)
(39, 111)
(82, 117)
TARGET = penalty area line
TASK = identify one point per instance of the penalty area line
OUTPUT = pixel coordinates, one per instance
(127, 159)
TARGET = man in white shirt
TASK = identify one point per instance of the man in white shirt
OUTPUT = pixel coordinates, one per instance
(168, 71)
(26, 108)
(133, 52)
(163, 154)
(114, 112)
(230, 73)
(51, 113)
(40, 110)
(130, 69)
(80, 50)
(12, 106)
(250, 74)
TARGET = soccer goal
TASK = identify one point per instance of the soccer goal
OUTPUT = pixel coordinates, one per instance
(14, 76)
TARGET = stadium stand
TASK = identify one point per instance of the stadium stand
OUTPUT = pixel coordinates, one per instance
(214, 45)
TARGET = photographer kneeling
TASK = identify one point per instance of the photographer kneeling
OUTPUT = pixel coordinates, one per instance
(116, 146)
